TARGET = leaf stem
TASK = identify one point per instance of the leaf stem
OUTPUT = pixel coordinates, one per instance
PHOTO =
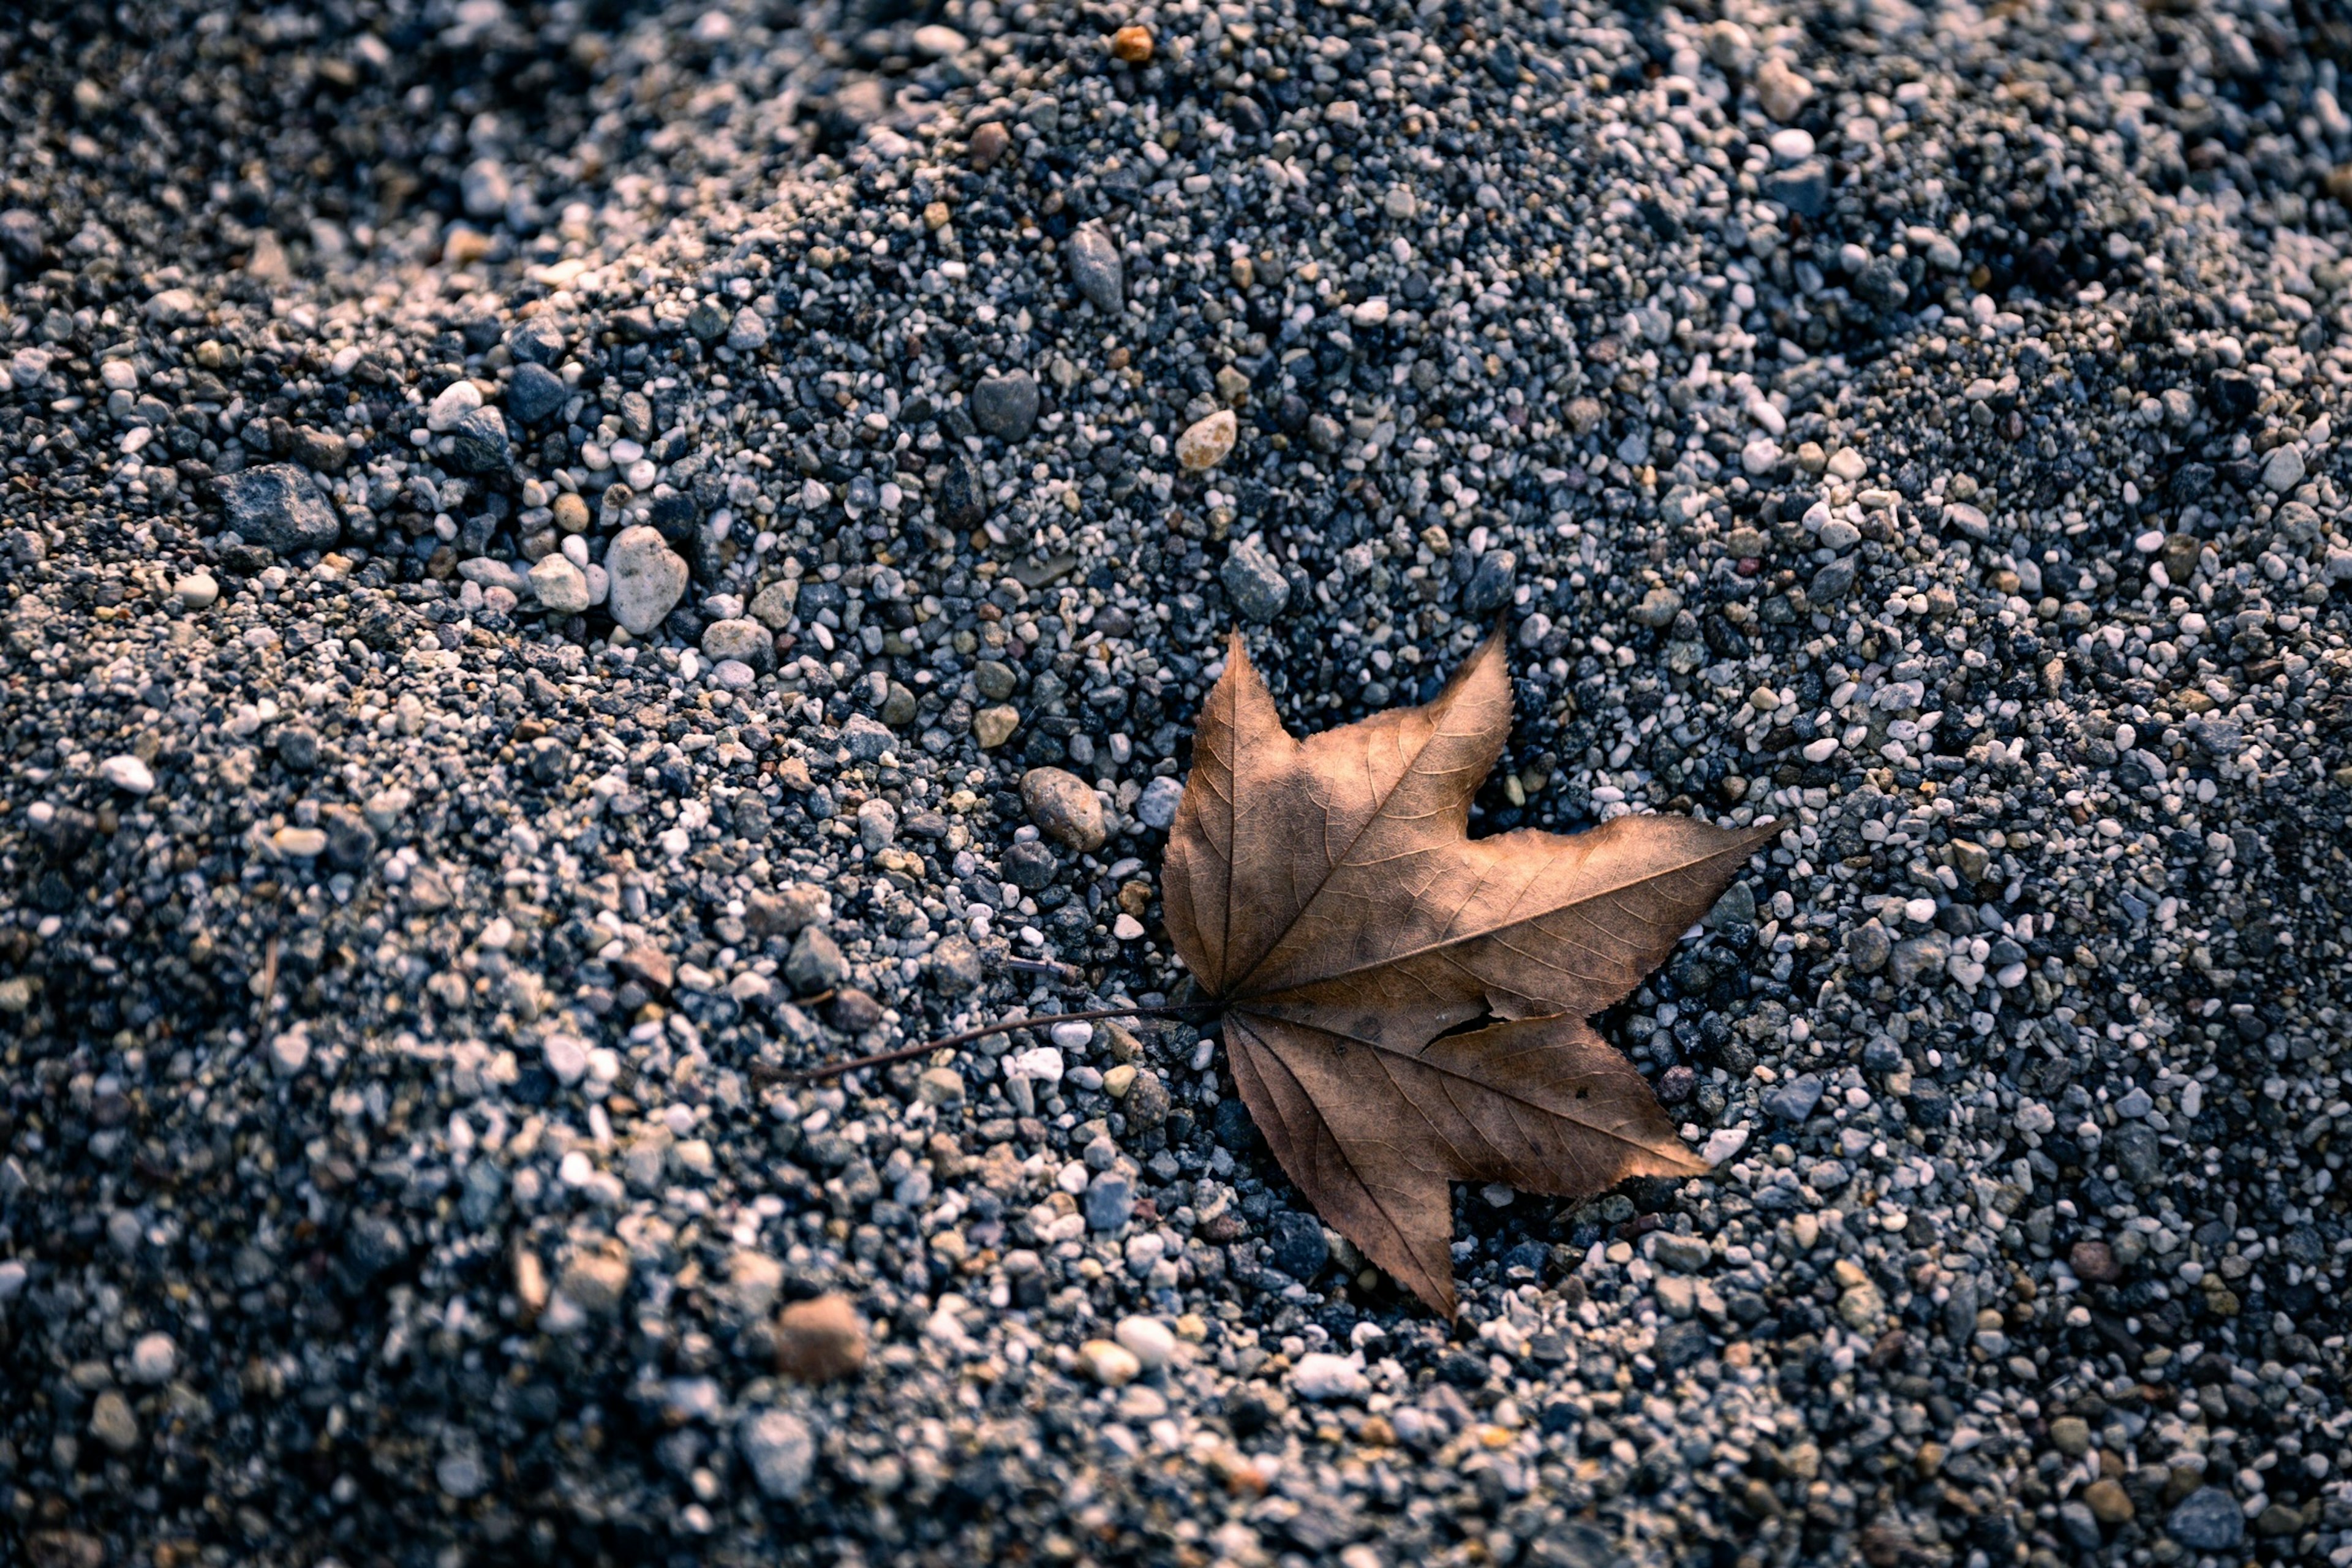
(1035, 1020)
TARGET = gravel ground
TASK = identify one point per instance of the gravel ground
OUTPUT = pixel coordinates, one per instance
(564, 560)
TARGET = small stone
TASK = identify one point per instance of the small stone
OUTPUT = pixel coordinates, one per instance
(1065, 807)
(477, 442)
(1869, 947)
(289, 1052)
(566, 1057)
(154, 1359)
(1109, 1201)
(2094, 1262)
(595, 1279)
(535, 392)
(820, 1341)
(648, 578)
(954, 966)
(1005, 405)
(1918, 957)
(1320, 1375)
(1207, 442)
(1148, 1340)
(938, 41)
(787, 909)
(2108, 1502)
(127, 774)
(460, 1475)
(1490, 584)
(988, 144)
(740, 639)
(1795, 1100)
(867, 740)
(1097, 271)
(772, 605)
(747, 333)
(780, 1451)
(1658, 607)
(991, 727)
(1156, 807)
(816, 962)
(278, 506)
(1109, 1362)
(196, 591)
(1255, 582)
(1132, 45)
(112, 1422)
(536, 342)
(2283, 470)
(484, 188)
(1781, 90)
(1298, 1247)
(2206, 1519)
(300, 843)
(561, 587)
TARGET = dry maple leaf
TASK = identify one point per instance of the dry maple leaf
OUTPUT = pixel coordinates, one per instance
(1326, 895)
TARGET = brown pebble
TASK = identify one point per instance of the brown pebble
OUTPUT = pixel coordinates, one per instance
(2108, 1502)
(2094, 1262)
(854, 1011)
(1065, 807)
(988, 144)
(1132, 45)
(820, 1341)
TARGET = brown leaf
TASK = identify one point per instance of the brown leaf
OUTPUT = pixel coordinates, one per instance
(1327, 894)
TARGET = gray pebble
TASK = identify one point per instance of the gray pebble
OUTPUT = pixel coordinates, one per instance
(279, 506)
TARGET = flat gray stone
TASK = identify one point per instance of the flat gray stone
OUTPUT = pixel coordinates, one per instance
(280, 506)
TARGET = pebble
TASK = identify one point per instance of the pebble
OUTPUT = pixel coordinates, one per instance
(780, 1450)
(821, 1339)
(1065, 808)
(1207, 441)
(277, 506)
(648, 579)
(129, 775)
(1097, 271)
(112, 1423)
(560, 587)
(1256, 582)
(1156, 806)
(1109, 1364)
(197, 590)
(535, 392)
(1795, 1100)
(2206, 1519)
(154, 1359)
(1109, 1201)
(1147, 1339)
(1005, 405)
(1322, 1376)
(2283, 470)
(993, 726)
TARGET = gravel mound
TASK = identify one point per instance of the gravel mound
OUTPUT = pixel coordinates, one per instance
(563, 560)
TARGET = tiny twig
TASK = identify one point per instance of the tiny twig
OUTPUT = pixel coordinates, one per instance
(1040, 1020)
(1043, 966)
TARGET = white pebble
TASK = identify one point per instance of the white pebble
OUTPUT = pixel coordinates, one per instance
(154, 1359)
(1074, 1036)
(1322, 1376)
(1042, 1063)
(127, 774)
(1147, 1339)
